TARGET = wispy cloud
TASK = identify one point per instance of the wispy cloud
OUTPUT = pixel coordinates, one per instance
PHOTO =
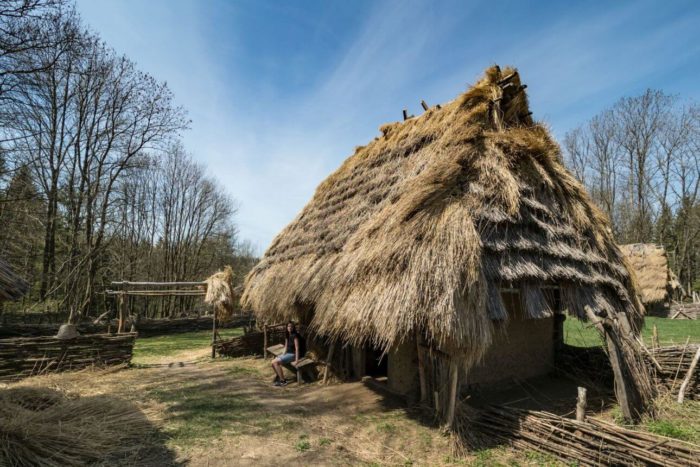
(271, 143)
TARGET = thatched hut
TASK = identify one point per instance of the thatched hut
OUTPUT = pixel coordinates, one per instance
(449, 243)
(657, 283)
(12, 287)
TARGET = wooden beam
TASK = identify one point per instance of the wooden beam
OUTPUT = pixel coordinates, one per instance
(213, 333)
(265, 342)
(625, 397)
(405, 114)
(122, 313)
(159, 284)
(421, 369)
(157, 293)
(452, 397)
(424, 105)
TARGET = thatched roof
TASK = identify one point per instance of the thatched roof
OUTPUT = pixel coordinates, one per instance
(420, 228)
(12, 286)
(650, 266)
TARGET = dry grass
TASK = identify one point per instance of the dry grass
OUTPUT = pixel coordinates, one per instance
(42, 426)
(650, 266)
(221, 293)
(413, 230)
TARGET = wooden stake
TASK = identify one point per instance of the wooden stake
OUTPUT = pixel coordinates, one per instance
(581, 405)
(265, 342)
(655, 338)
(421, 370)
(213, 334)
(329, 357)
(122, 313)
(424, 105)
(688, 376)
(454, 373)
(405, 114)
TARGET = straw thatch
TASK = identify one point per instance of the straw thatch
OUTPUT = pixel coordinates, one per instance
(221, 293)
(649, 263)
(422, 227)
(12, 287)
(41, 426)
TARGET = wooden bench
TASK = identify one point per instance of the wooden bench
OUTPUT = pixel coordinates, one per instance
(304, 365)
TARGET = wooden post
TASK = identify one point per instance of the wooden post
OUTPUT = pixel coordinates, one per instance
(329, 357)
(122, 312)
(626, 397)
(655, 338)
(264, 341)
(213, 334)
(688, 376)
(452, 398)
(424, 105)
(421, 369)
(581, 405)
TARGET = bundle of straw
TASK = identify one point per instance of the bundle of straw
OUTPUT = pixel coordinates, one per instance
(41, 426)
(221, 293)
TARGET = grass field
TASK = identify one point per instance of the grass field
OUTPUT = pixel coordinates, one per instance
(147, 348)
(671, 331)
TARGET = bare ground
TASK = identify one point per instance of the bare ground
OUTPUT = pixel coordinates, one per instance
(226, 412)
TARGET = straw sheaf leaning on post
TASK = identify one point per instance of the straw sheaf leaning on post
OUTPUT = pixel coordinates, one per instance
(421, 228)
(221, 293)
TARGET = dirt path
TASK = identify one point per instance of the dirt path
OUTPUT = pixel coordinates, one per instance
(226, 412)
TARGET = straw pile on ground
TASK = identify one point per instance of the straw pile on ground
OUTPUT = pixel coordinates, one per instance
(221, 293)
(656, 281)
(41, 426)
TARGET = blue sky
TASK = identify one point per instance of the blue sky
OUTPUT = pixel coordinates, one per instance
(280, 92)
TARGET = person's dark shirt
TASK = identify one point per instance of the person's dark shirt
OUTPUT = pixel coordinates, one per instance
(290, 342)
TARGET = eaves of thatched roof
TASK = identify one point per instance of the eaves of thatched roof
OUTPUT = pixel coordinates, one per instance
(421, 228)
(12, 286)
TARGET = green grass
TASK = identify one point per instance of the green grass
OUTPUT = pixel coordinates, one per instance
(197, 413)
(160, 346)
(671, 331)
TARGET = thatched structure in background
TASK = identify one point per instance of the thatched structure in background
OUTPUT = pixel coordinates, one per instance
(12, 287)
(419, 234)
(657, 283)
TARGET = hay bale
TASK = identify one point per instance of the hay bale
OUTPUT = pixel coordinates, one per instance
(41, 426)
(221, 293)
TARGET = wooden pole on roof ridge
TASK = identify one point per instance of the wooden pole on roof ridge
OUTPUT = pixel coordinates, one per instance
(424, 105)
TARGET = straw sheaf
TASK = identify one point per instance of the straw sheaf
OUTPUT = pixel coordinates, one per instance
(221, 293)
(650, 266)
(420, 228)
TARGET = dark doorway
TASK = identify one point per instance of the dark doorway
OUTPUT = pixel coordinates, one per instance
(375, 364)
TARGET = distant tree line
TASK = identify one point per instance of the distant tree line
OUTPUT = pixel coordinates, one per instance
(640, 161)
(95, 185)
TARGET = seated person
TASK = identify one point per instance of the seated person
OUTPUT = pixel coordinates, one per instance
(293, 351)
